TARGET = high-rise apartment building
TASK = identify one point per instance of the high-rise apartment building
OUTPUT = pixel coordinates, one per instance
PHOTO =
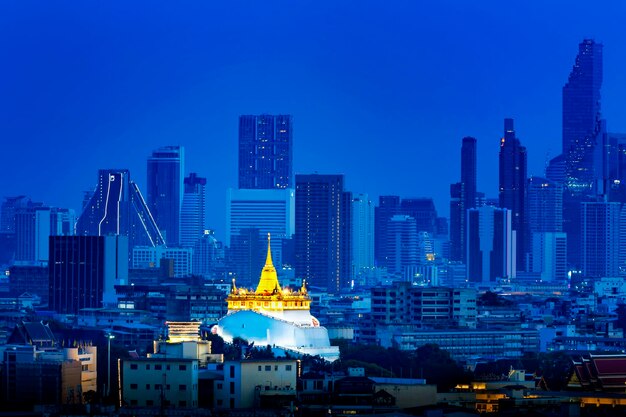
(322, 231)
(193, 210)
(549, 255)
(512, 186)
(463, 197)
(490, 245)
(402, 244)
(32, 230)
(166, 170)
(83, 271)
(602, 245)
(265, 151)
(362, 233)
(117, 208)
(544, 202)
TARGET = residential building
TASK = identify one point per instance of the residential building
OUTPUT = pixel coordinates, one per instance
(402, 244)
(193, 210)
(549, 255)
(602, 243)
(362, 233)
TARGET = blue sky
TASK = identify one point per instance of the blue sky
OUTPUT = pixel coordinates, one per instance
(381, 92)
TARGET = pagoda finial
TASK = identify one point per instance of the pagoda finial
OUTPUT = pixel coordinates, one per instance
(234, 287)
(268, 260)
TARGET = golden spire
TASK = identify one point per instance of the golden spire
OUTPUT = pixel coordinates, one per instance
(268, 283)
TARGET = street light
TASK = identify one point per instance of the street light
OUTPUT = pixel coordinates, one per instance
(109, 336)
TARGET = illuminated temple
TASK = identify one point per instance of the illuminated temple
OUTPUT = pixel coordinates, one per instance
(274, 316)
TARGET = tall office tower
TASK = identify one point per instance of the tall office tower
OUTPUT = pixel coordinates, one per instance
(269, 211)
(581, 116)
(512, 192)
(490, 245)
(441, 227)
(362, 233)
(549, 255)
(166, 170)
(388, 206)
(423, 211)
(544, 205)
(321, 238)
(206, 253)
(582, 129)
(118, 208)
(32, 229)
(9, 207)
(463, 196)
(84, 270)
(602, 244)
(193, 210)
(62, 221)
(265, 151)
(402, 244)
(246, 254)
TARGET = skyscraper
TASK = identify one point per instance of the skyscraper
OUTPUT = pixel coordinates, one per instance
(602, 245)
(321, 233)
(32, 230)
(490, 245)
(265, 151)
(512, 190)
(544, 202)
(581, 117)
(388, 206)
(118, 208)
(166, 170)
(549, 255)
(463, 197)
(84, 270)
(362, 233)
(193, 210)
(423, 211)
(402, 244)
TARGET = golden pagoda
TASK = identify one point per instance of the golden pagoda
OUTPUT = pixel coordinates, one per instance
(268, 297)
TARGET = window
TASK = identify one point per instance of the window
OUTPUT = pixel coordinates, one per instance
(147, 367)
(220, 385)
(167, 367)
(259, 368)
(232, 403)
(158, 387)
(268, 367)
(149, 403)
(232, 387)
(287, 367)
(182, 367)
(133, 386)
(133, 366)
(182, 403)
(85, 368)
(182, 387)
(232, 371)
(167, 387)
(158, 367)
(276, 367)
(147, 386)
(133, 402)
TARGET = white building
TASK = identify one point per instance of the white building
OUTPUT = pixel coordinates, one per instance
(269, 211)
(549, 255)
(155, 382)
(146, 257)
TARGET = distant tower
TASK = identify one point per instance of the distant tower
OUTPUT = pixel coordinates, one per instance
(265, 151)
(423, 211)
(32, 230)
(602, 243)
(544, 202)
(118, 208)
(512, 190)
(490, 247)
(322, 231)
(362, 233)
(402, 243)
(166, 169)
(388, 206)
(581, 116)
(193, 210)
(463, 197)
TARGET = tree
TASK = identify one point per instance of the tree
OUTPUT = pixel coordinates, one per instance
(437, 367)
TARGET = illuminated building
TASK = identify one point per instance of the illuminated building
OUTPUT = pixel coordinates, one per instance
(274, 316)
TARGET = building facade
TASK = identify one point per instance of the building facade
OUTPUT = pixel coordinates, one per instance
(192, 214)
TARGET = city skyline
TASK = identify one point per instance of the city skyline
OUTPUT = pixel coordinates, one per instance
(334, 106)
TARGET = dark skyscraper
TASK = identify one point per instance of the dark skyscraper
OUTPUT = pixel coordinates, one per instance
(322, 233)
(512, 188)
(423, 211)
(117, 207)
(166, 169)
(463, 197)
(83, 271)
(193, 210)
(265, 151)
(581, 117)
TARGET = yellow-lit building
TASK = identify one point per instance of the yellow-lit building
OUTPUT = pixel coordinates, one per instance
(274, 316)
